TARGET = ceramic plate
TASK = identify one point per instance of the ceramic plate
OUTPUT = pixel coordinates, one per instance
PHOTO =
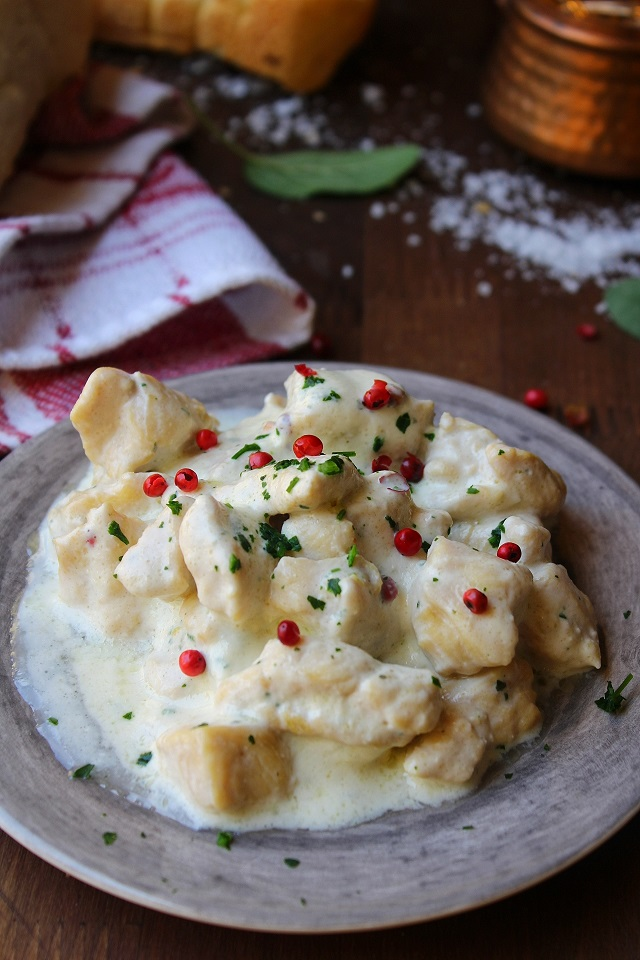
(405, 867)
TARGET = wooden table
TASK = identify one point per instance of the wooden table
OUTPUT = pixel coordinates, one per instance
(419, 303)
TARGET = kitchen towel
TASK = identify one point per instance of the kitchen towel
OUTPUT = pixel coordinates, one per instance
(113, 251)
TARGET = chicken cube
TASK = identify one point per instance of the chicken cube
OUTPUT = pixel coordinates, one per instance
(133, 422)
(154, 566)
(231, 570)
(457, 640)
(560, 628)
(227, 768)
(339, 692)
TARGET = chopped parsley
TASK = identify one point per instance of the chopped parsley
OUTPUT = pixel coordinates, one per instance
(53, 721)
(331, 466)
(500, 685)
(341, 514)
(403, 422)
(174, 504)
(277, 544)
(128, 715)
(248, 448)
(626, 614)
(244, 543)
(435, 681)
(281, 464)
(315, 603)
(613, 699)
(351, 556)
(312, 381)
(304, 465)
(83, 773)
(430, 436)
(251, 738)
(109, 837)
(496, 535)
(144, 758)
(224, 839)
(392, 523)
(333, 586)
(115, 531)
(291, 862)
(377, 443)
(332, 395)
(234, 563)
(472, 490)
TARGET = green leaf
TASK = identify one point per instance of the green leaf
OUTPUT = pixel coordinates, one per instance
(300, 174)
(623, 302)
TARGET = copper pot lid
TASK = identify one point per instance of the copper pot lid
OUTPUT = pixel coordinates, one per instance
(604, 24)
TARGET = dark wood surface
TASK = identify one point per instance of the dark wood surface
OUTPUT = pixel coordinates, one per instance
(417, 307)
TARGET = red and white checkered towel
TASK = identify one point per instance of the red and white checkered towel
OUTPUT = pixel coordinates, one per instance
(113, 251)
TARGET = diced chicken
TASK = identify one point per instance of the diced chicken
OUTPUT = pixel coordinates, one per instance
(452, 752)
(329, 598)
(494, 708)
(533, 539)
(124, 495)
(154, 566)
(133, 422)
(470, 473)
(87, 559)
(333, 410)
(560, 628)
(227, 769)
(231, 569)
(338, 692)
(379, 509)
(310, 484)
(456, 640)
(324, 533)
(505, 695)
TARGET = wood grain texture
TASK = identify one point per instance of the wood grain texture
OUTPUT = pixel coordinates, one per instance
(415, 308)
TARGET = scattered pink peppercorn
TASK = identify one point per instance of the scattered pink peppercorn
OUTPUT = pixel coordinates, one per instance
(383, 462)
(536, 398)
(576, 415)
(587, 331)
(192, 663)
(475, 600)
(509, 551)
(259, 459)
(289, 633)
(407, 541)
(377, 396)
(307, 446)
(389, 589)
(412, 468)
(186, 479)
(206, 439)
(154, 485)
(304, 370)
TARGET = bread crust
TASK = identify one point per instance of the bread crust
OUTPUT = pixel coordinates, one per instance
(42, 42)
(298, 43)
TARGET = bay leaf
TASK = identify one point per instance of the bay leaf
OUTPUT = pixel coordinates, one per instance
(623, 303)
(300, 174)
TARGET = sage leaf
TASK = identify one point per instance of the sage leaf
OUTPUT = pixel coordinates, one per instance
(623, 303)
(304, 173)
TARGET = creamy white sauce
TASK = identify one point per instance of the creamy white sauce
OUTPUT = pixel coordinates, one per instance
(104, 700)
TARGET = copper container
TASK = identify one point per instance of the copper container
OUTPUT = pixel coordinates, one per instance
(563, 83)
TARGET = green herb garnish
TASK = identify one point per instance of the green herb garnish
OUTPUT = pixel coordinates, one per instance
(496, 535)
(312, 381)
(613, 699)
(224, 839)
(83, 773)
(174, 504)
(333, 586)
(331, 466)
(110, 837)
(291, 862)
(234, 563)
(472, 490)
(248, 448)
(351, 556)
(403, 421)
(315, 603)
(144, 758)
(277, 544)
(115, 531)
